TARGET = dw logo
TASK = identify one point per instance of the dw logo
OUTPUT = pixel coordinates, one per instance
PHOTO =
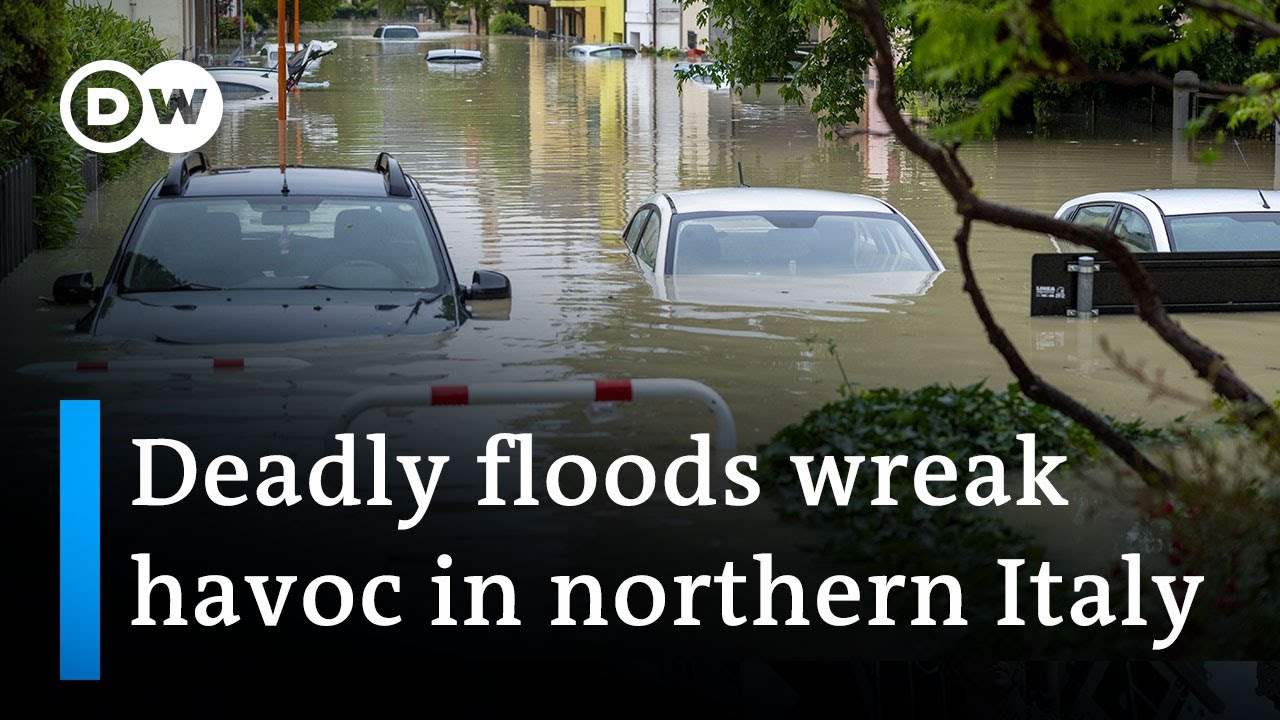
(179, 85)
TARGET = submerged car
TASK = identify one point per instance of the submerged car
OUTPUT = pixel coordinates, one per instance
(396, 32)
(270, 53)
(245, 83)
(1200, 220)
(615, 50)
(454, 56)
(253, 255)
(757, 242)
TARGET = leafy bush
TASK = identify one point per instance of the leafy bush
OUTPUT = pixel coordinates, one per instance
(37, 130)
(33, 51)
(956, 422)
(99, 33)
(506, 22)
(356, 11)
(229, 27)
(30, 123)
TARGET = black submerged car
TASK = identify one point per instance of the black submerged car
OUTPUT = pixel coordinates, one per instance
(254, 255)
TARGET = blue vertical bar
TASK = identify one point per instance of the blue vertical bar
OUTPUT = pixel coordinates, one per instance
(79, 536)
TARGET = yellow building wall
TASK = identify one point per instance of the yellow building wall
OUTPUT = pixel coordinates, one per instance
(539, 19)
(615, 26)
(593, 28)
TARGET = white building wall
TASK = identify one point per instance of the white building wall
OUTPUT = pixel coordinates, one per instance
(639, 19)
(175, 21)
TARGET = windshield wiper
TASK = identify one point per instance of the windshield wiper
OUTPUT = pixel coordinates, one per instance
(192, 286)
(319, 286)
(417, 305)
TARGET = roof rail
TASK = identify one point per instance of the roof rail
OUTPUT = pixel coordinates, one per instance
(175, 183)
(391, 172)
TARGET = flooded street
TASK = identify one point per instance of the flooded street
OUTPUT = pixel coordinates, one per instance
(533, 163)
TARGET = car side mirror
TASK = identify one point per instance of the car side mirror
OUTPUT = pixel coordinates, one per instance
(489, 285)
(74, 288)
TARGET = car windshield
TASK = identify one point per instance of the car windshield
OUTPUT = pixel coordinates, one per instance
(795, 243)
(299, 242)
(1225, 231)
(399, 33)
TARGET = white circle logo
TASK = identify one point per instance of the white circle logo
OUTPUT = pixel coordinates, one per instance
(183, 86)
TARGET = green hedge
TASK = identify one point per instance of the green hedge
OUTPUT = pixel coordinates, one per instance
(41, 43)
(506, 22)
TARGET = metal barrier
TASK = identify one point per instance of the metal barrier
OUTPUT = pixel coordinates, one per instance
(556, 391)
(17, 214)
(163, 365)
(89, 172)
(1079, 285)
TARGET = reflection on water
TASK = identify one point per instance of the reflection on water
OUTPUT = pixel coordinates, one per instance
(533, 162)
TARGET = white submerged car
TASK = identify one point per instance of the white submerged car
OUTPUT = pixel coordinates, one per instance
(397, 32)
(778, 247)
(1199, 220)
(615, 50)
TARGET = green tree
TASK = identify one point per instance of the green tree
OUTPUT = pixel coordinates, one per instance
(308, 10)
(1004, 48)
(33, 50)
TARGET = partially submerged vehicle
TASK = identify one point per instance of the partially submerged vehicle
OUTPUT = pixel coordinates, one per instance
(774, 246)
(397, 32)
(454, 56)
(242, 82)
(270, 53)
(1191, 220)
(612, 50)
(235, 255)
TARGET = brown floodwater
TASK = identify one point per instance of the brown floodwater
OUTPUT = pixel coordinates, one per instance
(533, 163)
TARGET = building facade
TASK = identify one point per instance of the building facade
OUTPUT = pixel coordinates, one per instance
(591, 21)
(188, 28)
(655, 23)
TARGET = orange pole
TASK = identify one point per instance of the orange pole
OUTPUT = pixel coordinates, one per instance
(296, 42)
(282, 70)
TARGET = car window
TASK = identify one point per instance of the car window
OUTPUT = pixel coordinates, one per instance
(1134, 230)
(1094, 215)
(1218, 232)
(229, 243)
(399, 33)
(647, 250)
(238, 91)
(378, 33)
(795, 243)
(632, 234)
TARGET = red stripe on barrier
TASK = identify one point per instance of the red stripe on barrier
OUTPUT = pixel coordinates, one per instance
(613, 391)
(91, 365)
(449, 395)
(228, 363)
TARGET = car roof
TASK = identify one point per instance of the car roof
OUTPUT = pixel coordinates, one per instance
(601, 46)
(266, 181)
(1193, 201)
(773, 200)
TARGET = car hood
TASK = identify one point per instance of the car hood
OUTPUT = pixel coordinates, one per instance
(272, 316)
(851, 291)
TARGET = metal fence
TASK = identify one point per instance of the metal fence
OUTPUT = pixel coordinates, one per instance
(89, 171)
(17, 214)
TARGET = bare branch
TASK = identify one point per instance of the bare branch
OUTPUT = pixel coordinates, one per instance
(945, 162)
(1035, 387)
(1222, 10)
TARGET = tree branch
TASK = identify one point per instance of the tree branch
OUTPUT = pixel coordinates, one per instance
(1035, 387)
(1207, 363)
(1226, 10)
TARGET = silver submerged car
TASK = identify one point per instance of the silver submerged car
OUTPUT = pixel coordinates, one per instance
(615, 50)
(1193, 220)
(778, 246)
